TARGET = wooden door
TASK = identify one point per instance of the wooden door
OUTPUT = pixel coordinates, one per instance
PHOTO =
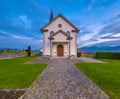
(59, 50)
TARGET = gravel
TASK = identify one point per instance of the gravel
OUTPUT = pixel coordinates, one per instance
(62, 80)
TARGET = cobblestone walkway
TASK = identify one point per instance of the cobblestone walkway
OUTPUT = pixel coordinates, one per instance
(62, 80)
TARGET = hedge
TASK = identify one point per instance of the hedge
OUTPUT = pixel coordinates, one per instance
(107, 55)
(78, 54)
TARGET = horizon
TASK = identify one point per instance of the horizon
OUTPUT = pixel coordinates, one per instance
(98, 21)
(79, 48)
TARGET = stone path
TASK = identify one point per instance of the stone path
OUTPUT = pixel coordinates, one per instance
(62, 80)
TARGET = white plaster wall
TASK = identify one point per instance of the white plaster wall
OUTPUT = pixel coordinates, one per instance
(73, 45)
(66, 49)
(54, 26)
(59, 37)
(46, 44)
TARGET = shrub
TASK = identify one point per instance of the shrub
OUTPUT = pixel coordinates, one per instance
(28, 51)
(107, 55)
(78, 54)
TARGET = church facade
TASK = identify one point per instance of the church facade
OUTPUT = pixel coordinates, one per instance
(59, 38)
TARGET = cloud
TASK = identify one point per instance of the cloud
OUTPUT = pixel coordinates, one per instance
(24, 19)
(11, 40)
(22, 37)
(111, 28)
(21, 21)
(8, 34)
(100, 40)
(92, 4)
(89, 32)
(110, 35)
(116, 35)
(20, 43)
(101, 33)
(107, 38)
(105, 35)
(2, 33)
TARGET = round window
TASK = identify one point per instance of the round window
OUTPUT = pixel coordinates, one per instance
(59, 25)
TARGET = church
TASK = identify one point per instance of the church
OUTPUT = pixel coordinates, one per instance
(59, 38)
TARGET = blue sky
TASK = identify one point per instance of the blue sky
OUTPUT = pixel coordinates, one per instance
(21, 20)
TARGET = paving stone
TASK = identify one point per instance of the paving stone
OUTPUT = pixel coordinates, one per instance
(62, 80)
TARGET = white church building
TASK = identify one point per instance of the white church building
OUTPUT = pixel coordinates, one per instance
(59, 38)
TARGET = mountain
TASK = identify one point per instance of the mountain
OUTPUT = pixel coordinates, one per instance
(100, 49)
(3, 49)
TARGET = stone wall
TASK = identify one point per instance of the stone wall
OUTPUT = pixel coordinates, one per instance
(11, 93)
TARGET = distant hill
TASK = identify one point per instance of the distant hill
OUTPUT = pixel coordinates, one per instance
(9, 48)
(100, 48)
(33, 50)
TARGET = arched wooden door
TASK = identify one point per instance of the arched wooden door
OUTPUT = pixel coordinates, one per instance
(60, 50)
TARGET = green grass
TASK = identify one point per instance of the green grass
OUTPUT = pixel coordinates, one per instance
(15, 74)
(106, 76)
(89, 56)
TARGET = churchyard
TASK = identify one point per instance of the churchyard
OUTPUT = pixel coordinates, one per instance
(106, 76)
(16, 74)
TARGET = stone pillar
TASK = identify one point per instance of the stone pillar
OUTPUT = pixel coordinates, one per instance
(50, 49)
(69, 50)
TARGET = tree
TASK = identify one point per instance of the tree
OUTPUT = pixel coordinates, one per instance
(29, 51)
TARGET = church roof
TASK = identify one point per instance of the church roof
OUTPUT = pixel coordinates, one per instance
(64, 19)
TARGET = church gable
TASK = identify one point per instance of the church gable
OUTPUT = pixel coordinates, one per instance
(61, 31)
(60, 36)
(60, 23)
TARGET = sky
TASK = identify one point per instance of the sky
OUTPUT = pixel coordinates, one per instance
(21, 20)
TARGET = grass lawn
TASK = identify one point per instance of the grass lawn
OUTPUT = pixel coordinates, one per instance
(106, 76)
(15, 74)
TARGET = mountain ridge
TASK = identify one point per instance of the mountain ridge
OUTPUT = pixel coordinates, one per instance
(100, 49)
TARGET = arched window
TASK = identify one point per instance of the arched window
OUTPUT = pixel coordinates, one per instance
(68, 33)
(51, 33)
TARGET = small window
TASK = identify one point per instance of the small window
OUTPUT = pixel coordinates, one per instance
(68, 33)
(51, 33)
(59, 25)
